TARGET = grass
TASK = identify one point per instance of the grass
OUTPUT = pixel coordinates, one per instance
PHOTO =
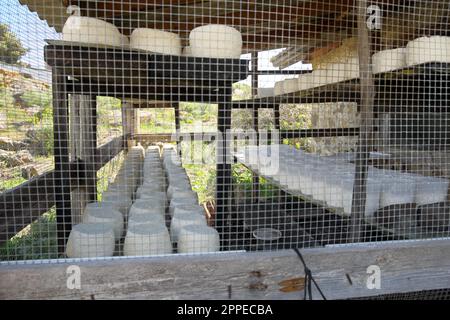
(37, 241)
(107, 173)
(15, 180)
(243, 181)
(203, 179)
(12, 177)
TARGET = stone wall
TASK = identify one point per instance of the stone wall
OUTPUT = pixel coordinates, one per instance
(333, 115)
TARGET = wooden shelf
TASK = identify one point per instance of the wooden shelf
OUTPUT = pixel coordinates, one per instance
(339, 211)
(130, 73)
(410, 233)
(409, 84)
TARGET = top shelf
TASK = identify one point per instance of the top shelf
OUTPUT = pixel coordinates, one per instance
(405, 85)
(130, 73)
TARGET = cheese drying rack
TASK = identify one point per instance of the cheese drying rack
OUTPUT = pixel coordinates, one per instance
(85, 69)
(124, 73)
(417, 83)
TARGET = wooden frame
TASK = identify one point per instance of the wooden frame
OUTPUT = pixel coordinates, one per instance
(340, 271)
(14, 218)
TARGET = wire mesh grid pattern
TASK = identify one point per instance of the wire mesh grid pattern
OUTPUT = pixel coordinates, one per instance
(157, 127)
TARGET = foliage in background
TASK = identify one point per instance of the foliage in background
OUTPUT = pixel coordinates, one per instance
(294, 117)
(11, 49)
(37, 241)
(191, 112)
(203, 180)
(109, 119)
(157, 120)
(243, 182)
(14, 180)
(107, 173)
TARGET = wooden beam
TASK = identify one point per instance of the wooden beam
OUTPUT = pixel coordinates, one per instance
(25, 203)
(61, 155)
(340, 271)
(255, 84)
(83, 145)
(128, 122)
(108, 151)
(137, 121)
(176, 109)
(223, 161)
(366, 124)
(284, 134)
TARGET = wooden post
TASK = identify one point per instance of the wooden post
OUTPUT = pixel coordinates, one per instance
(255, 80)
(276, 115)
(255, 177)
(128, 123)
(223, 165)
(254, 67)
(61, 153)
(83, 145)
(176, 107)
(365, 132)
(137, 121)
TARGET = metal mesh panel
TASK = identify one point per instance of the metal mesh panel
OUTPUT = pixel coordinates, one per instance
(442, 294)
(136, 128)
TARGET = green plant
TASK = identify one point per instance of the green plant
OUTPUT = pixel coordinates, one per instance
(6, 99)
(243, 180)
(41, 140)
(12, 181)
(37, 241)
(39, 98)
(11, 49)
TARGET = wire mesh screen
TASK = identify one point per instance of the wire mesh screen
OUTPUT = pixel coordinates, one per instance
(442, 294)
(137, 128)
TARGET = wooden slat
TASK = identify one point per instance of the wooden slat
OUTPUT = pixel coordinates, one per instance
(366, 126)
(109, 150)
(239, 275)
(284, 134)
(83, 145)
(61, 154)
(25, 203)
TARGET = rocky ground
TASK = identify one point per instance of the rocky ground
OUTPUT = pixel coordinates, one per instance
(25, 128)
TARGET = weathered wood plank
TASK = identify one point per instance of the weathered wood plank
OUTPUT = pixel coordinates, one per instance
(25, 203)
(61, 154)
(284, 134)
(405, 267)
(83, 146)
(255, 84)
(223, 160)
(109, 150)
(366, 125)
(176, 107)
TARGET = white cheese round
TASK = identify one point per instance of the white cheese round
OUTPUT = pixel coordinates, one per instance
(88, 240)
(428, 49)
(147, 239)
(105, 215)
(198, 239)
(215, 41)
(156, 41)
(181, 220)
(388, 60)
(91, 30)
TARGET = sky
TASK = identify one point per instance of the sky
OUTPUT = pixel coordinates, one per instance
(29, 29)
(32, 32)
